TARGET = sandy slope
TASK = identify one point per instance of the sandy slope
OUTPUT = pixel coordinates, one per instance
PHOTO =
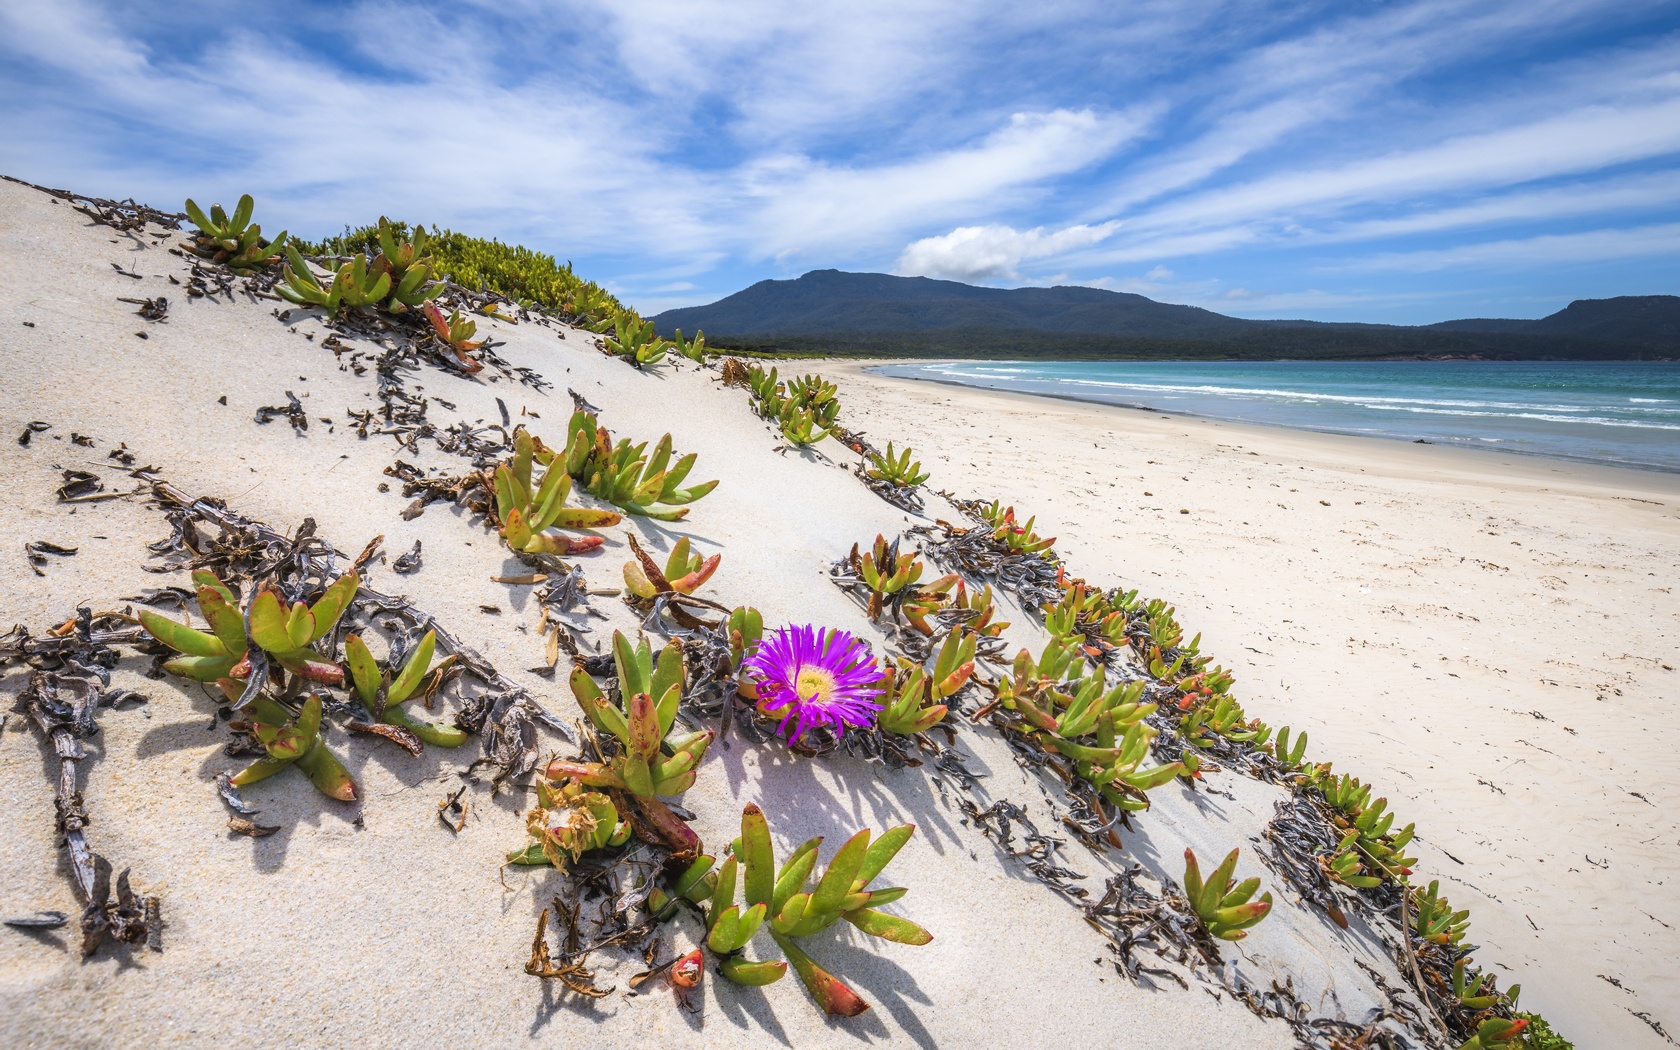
(1492, 639)
(370, 924)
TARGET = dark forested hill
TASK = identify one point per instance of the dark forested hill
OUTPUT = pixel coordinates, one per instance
(861, 313)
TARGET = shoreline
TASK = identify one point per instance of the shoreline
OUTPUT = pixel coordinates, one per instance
(869, 367)
(1435, 454)
(1486, 639)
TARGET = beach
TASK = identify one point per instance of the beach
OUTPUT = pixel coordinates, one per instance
(1489, 640)
(1492, 639)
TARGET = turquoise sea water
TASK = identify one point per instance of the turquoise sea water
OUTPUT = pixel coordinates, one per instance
(1626, 413)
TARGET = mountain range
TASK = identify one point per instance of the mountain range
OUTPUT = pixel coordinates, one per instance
(832, 311)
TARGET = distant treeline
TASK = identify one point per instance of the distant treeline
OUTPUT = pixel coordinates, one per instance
(1259, 344)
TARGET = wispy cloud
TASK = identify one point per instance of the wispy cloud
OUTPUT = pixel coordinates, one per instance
(680, 150)
(1530, 253)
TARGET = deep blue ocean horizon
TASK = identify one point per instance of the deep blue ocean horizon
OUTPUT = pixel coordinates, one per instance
(1623, 413)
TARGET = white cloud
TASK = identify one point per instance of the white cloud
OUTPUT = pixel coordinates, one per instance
(991, 253)
(663, 141)
(800, 207)
(1534, 252)
(1586, 139)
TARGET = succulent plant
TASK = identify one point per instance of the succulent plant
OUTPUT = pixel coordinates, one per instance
(1032, 676)
(729, 928)
(455, 332)
(800, 425)
(410, 265)
(1163, 628)
(625, 476)
(1435, 920)
(284, 633)
(1345, 867)
(976, 610)
(1115, 765)
(1290, 758)
(896, 469)
(567, 822)
(1226, 909)
(352, 286)
(911, 696)
(1370, 823)
(745, 630)
(684, 572)
(766, 390)
(529, 510)
(1085, 618)
(1101, 729)
(779, 895)
(1496, 1033)
(816, 393)
(1017, 539)
(640, 722)
(889, 576)
(232, 240)
(694, 884)
(694, 349)
(1222, 717)
(635, 340)
(383, 695)
(292, 741)
(1473, 993)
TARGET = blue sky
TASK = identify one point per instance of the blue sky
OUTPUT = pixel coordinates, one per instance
(1357, 160)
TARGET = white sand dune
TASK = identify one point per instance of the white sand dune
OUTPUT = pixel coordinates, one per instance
(371, 924)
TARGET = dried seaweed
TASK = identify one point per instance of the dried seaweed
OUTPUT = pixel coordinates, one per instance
(79, 483)
(1301, 841)
(230, 794)
(1034, 579)
(69, 681)
(151, 309)
(292, 410)
(36, 552)
(205, 534)
(572, 974)
(621, 886)
(408, 563)
(464, 490)
(452, 811)
(41, 920)
(124, 216)
(998, 821)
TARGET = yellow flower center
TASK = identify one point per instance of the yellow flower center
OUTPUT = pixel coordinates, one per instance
(813, 684)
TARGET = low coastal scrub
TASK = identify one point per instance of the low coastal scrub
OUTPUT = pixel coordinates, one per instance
(519, 274)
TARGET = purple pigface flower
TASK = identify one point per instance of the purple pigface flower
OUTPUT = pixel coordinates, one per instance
(811, 677)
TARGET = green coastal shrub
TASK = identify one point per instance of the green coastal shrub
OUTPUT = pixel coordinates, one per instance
(1539, 1035)
(520, 274)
